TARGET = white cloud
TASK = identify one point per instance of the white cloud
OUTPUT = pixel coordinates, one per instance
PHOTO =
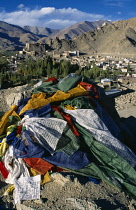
(59, 22)
(47, 16)
(20, 6)
(117, 3)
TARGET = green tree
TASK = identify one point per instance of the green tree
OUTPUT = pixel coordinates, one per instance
(49, 70)
(129, 68)
(55, 72)
(65, 68)
(95, 71)
(3, 64)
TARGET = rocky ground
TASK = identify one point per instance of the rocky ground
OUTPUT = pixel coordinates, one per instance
(67, 191)
(127, 101)
(11, 96)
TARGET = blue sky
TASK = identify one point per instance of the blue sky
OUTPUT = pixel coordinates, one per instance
(58, 14)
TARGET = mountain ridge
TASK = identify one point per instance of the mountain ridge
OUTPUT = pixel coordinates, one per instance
(118, 37)
(41, 30)
(78, 29)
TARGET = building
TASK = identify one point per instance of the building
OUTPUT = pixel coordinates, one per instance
(124, 69)
(71, 53)
(35, 47)
(107, 82)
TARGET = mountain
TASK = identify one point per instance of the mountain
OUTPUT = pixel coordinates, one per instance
(78, 29)
(43, 31)
(118, 38)
(69, 32)
(13, 37)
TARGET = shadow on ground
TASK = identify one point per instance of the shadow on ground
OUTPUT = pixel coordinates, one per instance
(108, 205)
(128, 130)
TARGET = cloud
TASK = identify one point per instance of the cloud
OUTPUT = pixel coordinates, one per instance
(59, 22)
(47, 16)
(20, 6)
(117, 3)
